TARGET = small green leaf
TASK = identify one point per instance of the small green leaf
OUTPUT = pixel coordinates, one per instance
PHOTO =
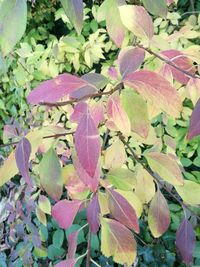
(58, 238)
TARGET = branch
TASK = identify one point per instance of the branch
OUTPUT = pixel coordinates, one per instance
(59, 104)
(169, 62)
(155, 176)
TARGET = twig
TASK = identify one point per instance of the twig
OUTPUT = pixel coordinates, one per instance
(88, 249)
(155, 176)
(169, 62)
(192, 5)
(59, 104)
(95, 263)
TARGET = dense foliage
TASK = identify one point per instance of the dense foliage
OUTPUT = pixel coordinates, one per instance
(100, 126)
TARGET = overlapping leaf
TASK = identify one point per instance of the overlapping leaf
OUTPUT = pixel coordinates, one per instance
(117, 241)
(93, 211)
(190, 192)
(156, 7)
(194, 128)
(158, 215)
(156, 90)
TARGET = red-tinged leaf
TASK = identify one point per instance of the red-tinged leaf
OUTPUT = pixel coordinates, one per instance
(112, 72)
(9, 131)
(116, 112)
(87, 143)
(158, 215)
(96, 79)
(93, 211)
(22, 155)
(194, 128)
(74, 12)
(97, 112)
(122, 211)
(67, 263)
(53, 90)
(186, 240)
(117, 241)
(65, 211)
(157, 91)
(131, 17)
(61, 264)
(72, 244)
(166, 72)
(78, 112)
(91, 181)
(130, 59)
(83, 92)
(183, 62)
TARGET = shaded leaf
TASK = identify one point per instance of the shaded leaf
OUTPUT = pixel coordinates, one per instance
(189, 192)
(121, 210)
(93, 211)
(65, 211)
(166, 167)
(72, 244)
(185, 240)
(156, 7)
(74, 12)
(155, 89)
(22, 156)
(50, 174)
(158, 215)
(194, 128)
(96, 79)
(117, 241)
(131, 18)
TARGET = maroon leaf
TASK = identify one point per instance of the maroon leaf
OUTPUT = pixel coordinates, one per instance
(72, 244)
(53, 90)
(130, 59)
(194, 128)
(22, 155)
(183, 62)
(65, 211)
(87, 143)
(122, 211)
(93, 211)
(185, 240)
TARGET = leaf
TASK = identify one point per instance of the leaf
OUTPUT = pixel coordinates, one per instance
(116, 112)
(185, 192)
(41, 216)
(87, 144)
(194, 128)
(121, 210)
(166, 167)
(136, 108)
(117, 241)
(74, 12)
(130, 59)
(93, 211)
(22, 156)
(79, 109)
(103, 203)
(65, 211)
(156, 7)
(145, 187)
(58, 238)
(115, 155)
(182, 61)
(67, 263)
(131, 18)
(158, 215)
(44, 204)
(96, 79)
(72, 244)
(50, 174)
(185, 241)
(13, 18)
(156, 90)
(193, 89)
(53, 90)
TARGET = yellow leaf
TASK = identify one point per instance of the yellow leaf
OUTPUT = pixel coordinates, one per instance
(189, 192)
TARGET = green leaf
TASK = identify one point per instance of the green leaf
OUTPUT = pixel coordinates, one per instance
(58, 238)
(13, 17)
(189, 192)
(40, 252)
(73, 228)
(156, 7)
(55, 252)
(50, 174)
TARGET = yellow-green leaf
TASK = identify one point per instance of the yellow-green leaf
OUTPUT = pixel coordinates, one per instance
(189, 192)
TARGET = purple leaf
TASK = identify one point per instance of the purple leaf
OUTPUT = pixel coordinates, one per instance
(78, 112)
(66, 263)
(65, 211)
(22, 155)
(130, 59)
(185, 240)
(83, 92)
(87, 143)
(93, 211)
(96, 79)
(53, 90)
(194, 128)
(72, 244)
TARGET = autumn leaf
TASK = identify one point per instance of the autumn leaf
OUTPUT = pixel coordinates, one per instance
(185, 192)
(93, 211)
(194, 128)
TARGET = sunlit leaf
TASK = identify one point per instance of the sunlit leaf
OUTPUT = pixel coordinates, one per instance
(74, 11)
(41, 216)
(158, 215)
(13, 18)
(193, 89)
(103, 203)
(65, 211)
(156, 7)
(50, 174)
(166, 167)
(121, 210)
(93, 211)
(185, 241)
(194, 128)
(44, 204)
(131, 17)
(156, 90)
(189, 192)
(117, 241)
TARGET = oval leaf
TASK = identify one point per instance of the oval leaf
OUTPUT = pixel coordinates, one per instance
(156, 7)
(185, 192)
(194, 128)
(93, 211)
